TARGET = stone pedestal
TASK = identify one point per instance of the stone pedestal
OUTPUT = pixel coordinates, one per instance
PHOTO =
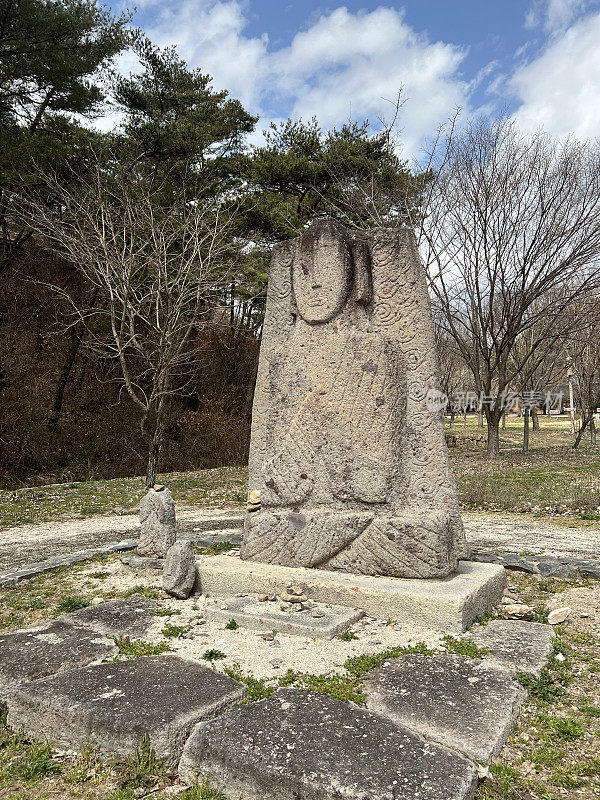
(446, 604)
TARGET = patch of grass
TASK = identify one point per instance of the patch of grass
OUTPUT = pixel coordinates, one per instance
(464, 647)
(590, 711)
(213, 655)
(256, 689)
(71, 602)
(542, 690)
(209, 487)
(563, 728)
(232, 625)
(141, 591)
(540, 614)
(138, 647)
(163, 611)
(141, 769)
(360, 665)
(34, 763)
(174, 631)
(202, 791)
(341, 687)
(347, 636)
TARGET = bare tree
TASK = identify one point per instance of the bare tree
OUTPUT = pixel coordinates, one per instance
(583, 356)
(158, 271)
(510, 235)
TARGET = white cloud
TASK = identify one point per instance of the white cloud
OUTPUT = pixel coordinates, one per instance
(209, 35)
(560, 90)
(556, 15)
(344, 63)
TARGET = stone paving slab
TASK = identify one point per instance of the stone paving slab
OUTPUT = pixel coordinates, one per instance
(113, 705)
(304, 746)
(519, 647)
(45, 650)
(248, 612)
(447, 604)
(130, 616)
(454, 700)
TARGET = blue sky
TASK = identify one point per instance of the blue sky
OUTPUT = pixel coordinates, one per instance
(538, 60)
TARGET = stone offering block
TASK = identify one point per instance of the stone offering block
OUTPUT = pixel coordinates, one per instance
(130, 616)
(248, 612)
(36, 652)
(447, 604)
(520, 647)
(303, 746)
(114, 705)
(454, 700)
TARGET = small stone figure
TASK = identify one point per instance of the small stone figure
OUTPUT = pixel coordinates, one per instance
(179, 574)
(157, 519)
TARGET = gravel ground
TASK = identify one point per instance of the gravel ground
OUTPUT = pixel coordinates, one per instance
(246, 647)
(25, 544)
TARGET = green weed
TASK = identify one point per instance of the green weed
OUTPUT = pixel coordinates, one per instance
(213, 655)
(138, 647)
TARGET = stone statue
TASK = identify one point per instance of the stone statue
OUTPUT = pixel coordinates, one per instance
(348, 462)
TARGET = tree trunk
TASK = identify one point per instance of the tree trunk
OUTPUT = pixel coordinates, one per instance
(587, 418)
(526, 429)
(535, 419)
(503, 420)
(452, 415)
(156, 445)
(59, 392)
(593, 430)
(480, 420)
(492, 416)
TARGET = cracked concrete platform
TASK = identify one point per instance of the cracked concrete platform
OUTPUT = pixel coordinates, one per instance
(304, 746)
(519, 647)
(47, 649)
(454, 700)
(113, 705)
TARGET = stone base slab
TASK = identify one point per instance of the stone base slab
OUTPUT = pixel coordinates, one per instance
(324, 622)
(448, 604)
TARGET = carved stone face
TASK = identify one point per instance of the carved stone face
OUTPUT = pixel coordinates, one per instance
(321, 275)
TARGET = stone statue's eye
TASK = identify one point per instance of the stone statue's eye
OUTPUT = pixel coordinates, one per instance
(305, 269)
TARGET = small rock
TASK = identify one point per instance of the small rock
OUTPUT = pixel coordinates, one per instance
(276, 662)
(267, 637)
(223, 606)
(559, 615)
(560, 657)
(158, 487)
(254, 496)
(262, 598)
(96, 601)
(517, 611)
(272, 598)
(317, 613)
(286, 597)
(285, 606)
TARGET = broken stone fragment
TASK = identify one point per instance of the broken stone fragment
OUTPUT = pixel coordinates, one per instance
(253, 503)
(559, 615)
(179, 574)
(517, 611)
(157, 521)
(285, 597)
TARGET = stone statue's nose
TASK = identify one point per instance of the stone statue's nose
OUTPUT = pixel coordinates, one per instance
(316, 284)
